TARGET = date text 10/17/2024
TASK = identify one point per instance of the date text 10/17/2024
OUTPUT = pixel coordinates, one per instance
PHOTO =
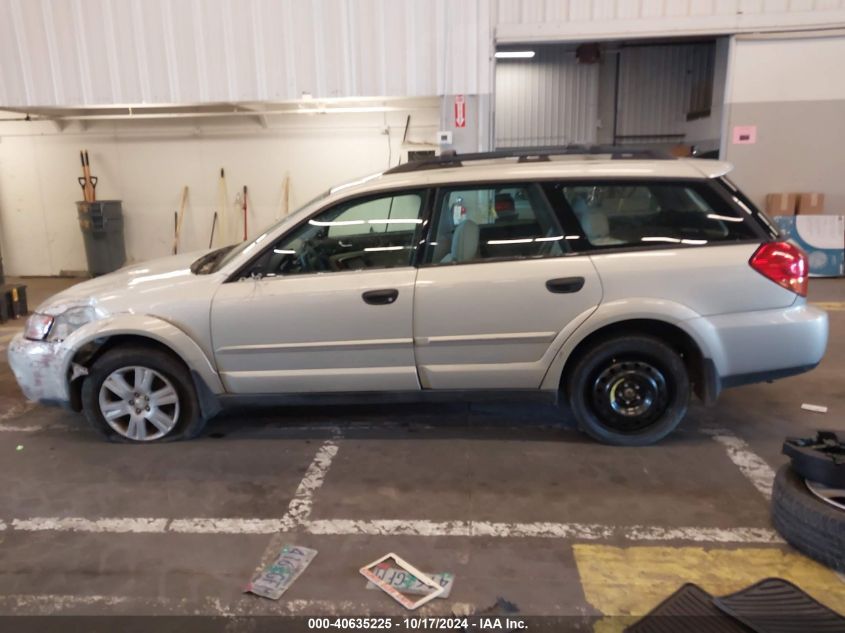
(492, 623)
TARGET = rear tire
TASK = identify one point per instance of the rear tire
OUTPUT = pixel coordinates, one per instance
(147, 394)
(807, 523)
(629, 390)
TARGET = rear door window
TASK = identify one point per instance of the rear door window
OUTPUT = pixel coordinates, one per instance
(493, 222)
(621, 214)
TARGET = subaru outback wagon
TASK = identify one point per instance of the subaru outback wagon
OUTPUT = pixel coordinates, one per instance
(618, 282)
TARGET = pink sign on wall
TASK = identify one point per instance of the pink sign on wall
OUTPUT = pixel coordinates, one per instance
(744, 134)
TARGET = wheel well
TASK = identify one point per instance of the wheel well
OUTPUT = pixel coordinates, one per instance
(88, 354)
(670, 334)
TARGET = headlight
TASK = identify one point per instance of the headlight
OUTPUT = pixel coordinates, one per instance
(71, 320)
(38, 326)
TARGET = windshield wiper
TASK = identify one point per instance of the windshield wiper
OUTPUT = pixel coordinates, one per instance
(207, 263)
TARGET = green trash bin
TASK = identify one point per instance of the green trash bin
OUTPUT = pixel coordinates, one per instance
(101, 223)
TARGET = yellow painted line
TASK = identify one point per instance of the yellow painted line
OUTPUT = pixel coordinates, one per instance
(631, 581)
(833, 306)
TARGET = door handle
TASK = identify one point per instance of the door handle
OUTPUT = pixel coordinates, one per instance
(380, 297)
(563, 285)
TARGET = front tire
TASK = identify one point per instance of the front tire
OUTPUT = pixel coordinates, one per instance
(629, 390)
(141, 395)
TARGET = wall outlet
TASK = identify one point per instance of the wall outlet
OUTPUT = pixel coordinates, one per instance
(444, 137)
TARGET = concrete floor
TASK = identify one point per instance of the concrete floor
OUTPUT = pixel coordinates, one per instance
(513, 503)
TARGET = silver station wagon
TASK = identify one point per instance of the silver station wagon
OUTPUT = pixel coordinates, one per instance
(617, 282)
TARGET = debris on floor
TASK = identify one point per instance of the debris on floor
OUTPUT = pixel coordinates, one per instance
(279, 575)
(464, 609)
(398, 594)
(19, 447)
(501, 606)
(815, 408)
(408, 583)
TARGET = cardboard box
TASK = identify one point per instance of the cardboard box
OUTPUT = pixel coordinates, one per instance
(681, 151)
(822, 237)
(810, 204)
(781, 203)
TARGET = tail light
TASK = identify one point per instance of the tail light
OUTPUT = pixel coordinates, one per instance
(783, 263)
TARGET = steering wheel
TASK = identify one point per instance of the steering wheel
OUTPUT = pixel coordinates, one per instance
(311, 259)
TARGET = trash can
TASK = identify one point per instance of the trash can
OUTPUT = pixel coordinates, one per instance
(2, 274)
(101, 223)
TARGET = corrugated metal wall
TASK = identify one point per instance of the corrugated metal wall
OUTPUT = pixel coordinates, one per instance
(583, 20)
(90, 52)
(548, 100)
(655, 84)
(653, 93)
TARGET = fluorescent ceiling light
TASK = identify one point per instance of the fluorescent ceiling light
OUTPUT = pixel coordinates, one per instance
(342, 110)
(514, 54)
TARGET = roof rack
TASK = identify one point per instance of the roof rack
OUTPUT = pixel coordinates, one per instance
(451, 158)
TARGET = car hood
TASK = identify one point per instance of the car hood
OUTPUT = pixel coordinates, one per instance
(120, 290)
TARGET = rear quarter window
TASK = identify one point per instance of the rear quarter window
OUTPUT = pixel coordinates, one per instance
(614, 214)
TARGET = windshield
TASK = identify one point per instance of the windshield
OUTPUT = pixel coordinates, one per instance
(215, 260)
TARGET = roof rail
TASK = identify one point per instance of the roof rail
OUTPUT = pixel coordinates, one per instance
(451, 158)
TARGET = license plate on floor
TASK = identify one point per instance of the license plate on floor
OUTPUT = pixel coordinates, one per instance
(406, 583)
(275, 579)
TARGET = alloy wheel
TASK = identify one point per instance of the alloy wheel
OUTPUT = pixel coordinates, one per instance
(139, 403)
(832, 496)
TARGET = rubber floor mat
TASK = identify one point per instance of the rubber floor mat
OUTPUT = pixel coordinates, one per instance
(691, 610)
(774, 605)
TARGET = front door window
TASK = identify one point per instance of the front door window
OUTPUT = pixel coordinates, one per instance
(360, 234)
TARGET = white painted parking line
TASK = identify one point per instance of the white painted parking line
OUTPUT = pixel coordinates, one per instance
(230, 526)
(754, 467)
(303, 499)
(49, 604)
(120, 525)
(301, 506)
(35, 428)
(589, 532)
(575, 531)
(392, 527)
(15, 411)
(703, 535)
(54, 604)
(396, 527)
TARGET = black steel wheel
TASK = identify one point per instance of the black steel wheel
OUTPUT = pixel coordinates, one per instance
(630, 395)
(629, 390)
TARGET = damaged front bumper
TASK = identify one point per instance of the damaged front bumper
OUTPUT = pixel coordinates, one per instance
(41, 369)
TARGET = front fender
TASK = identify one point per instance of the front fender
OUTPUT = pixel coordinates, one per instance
(613, 312)
(150, 327)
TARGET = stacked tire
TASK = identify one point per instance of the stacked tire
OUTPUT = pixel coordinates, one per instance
(811, 524)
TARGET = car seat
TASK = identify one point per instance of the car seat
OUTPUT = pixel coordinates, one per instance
(594, 223)
(465, 242)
